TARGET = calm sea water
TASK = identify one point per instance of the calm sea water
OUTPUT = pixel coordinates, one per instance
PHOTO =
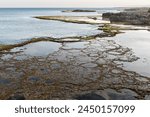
(139, 42)
(18, 24)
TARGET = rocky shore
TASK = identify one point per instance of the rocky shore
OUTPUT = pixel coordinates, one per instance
(79, 70)
(80, 67)
(137, 16)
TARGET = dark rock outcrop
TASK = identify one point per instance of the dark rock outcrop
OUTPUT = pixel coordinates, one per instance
(106, 16)
(131, 18)
(79, 10)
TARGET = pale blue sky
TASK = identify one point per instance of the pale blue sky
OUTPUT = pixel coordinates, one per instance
(73, 3)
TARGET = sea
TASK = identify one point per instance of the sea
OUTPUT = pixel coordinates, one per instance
(19, 24)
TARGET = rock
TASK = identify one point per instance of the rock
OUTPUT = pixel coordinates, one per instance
(142, 9)
(106, 16)
(130, 18)
(123, 94)
(16, 97)
(79, 10)
(131, 9)
(90, 96)
(147, 97)
(113, 94)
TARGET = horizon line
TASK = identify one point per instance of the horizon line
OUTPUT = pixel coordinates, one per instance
(82, 7)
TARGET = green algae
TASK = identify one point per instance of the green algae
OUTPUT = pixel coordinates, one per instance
(112, 30)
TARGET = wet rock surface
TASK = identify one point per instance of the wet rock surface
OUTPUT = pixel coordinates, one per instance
(92, 70)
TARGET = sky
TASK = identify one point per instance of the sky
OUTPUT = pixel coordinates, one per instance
(74, 3)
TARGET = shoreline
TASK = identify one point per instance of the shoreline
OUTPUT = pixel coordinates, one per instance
(78, 68)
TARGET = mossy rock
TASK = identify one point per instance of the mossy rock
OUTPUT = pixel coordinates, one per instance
(113, 30)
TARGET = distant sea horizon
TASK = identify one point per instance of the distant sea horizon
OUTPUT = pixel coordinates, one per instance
(80, 7)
